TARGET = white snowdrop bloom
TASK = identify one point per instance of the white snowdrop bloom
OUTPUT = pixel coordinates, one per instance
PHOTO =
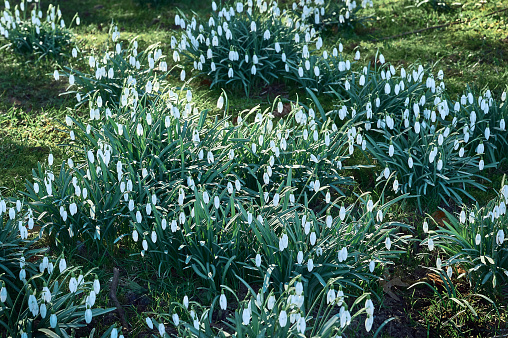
(317, 185)
(283, 318)
(176, 319)
(266, 178)
(258, 260)
(357, 55)
(481, 164)
(500, 237)
(439, 164)
(299, 288)
(43, 310)
(283, 242)
(276, 199)
(300, 71)
(220, 102)
(438, 263)
(62, 265)
(174, 226)
(313, 238)
(246, 316)
(316, 71)
(154, 237)
(478, 239)
(210, 157)
(386, 173)
(370, 206)
(487, 133)
(216, 202)
(223, 302)
(162, 329)
(299, 257)
(135, 235)
(379, 216)
(430, 243)
(149, 322)
(461, 152)
(425, 227)
(391, 150)
(53, 320)
(88, 316)
(372, 266)
(388, 243)
(480, 149)
(144, 243)
(73, 284)
(449, 272)
(310, 265)
(462, 216)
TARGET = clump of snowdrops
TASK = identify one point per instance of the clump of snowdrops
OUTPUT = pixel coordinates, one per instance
(264, 313)
(133, 153)
(420, 138)
(474, 240)
(247, 44)
(39, 294)
(340, 14)
(31, 36)
(118, 76)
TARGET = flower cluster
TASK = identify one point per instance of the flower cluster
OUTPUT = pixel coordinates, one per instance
(29, 34)
(39, 293)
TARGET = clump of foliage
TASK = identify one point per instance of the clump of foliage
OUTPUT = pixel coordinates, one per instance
(31, 36)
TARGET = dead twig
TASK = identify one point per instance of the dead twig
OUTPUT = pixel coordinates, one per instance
(112, 295)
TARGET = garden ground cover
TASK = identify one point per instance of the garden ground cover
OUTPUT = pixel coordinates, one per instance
(472, 50)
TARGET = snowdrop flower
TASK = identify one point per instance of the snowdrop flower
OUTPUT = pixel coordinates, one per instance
(462, 216)
(438, 263)
(430, 244)
(283, 318)
(283, 242)
(299, 257)
(372, 265)
(258, 260)
(391, 150)
(246, 316)
(343, 254)
(220, 102)
(478, 239)
(53, 320)
(88, 316)
(223, 302)
(73, 285)
(370, 206)
(342, 211)
(310, 265)
(500, 237)
(386, 173)
(388, 243)
(149, 322)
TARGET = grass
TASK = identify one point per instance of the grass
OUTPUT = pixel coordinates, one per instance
(471, 49)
